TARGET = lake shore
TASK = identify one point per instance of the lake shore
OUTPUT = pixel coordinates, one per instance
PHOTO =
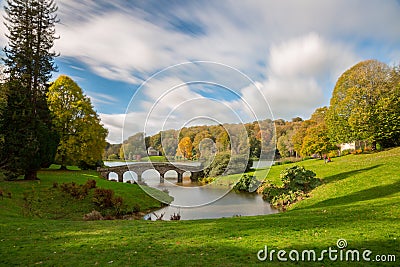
(358, 202)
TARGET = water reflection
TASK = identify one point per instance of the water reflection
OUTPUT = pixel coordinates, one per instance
(201, 202)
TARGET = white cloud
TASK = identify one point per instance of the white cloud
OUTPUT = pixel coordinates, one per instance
(99, 98)
(297, 71)
(294, 49)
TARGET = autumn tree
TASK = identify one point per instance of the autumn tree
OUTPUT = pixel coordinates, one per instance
(311, 137)
(29, 141)
(185, 148)
(82, 136)
(203, 135)
(316, 141)
(356, 105)
(223, 142)
(134, 146)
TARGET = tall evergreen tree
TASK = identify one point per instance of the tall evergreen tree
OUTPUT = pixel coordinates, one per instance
(29, 142)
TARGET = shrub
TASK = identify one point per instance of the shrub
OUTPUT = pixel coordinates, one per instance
(90, 166)
(345, 152)
(74, 190)
(298, 178)
(117, 203)
(93, 216)
(333, 154)
(90, 184)
(246, 183)
(103, 198)
(136, 208)
(55, 185)
(206, 180)
(297, 182)
(271, 191)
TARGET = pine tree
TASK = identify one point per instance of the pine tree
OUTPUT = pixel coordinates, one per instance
(29, 142)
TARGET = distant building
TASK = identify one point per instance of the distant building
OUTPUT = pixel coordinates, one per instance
(354, 145)
(347, 146)
(152, 152)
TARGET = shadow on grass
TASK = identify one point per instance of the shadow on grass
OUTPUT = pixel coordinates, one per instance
(344, 175)
(363, 195)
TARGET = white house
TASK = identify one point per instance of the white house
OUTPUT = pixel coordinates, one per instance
(348, 146)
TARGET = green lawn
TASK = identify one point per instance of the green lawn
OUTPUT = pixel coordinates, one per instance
(358, 201)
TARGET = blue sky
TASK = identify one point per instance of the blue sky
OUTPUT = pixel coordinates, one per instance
(285, 54)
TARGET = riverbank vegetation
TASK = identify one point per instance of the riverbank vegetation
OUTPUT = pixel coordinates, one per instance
(357, 201)
(70, 194)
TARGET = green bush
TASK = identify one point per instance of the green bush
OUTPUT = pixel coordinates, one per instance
(246, 183)
(297, 182)
(298, 178)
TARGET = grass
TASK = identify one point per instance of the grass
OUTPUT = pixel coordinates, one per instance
(358, 201)
(49, 203)
(155, 159)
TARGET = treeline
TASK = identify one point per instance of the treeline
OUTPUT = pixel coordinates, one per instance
(41, 122)
(198, 142)
(365, 106)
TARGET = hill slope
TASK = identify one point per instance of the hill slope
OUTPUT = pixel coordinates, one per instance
(358, 202)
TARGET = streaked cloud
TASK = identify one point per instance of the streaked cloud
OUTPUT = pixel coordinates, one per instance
(293, 50)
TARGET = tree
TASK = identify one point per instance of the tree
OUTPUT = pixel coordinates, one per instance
(185, 148)
(198, 139)
(29, 141)
(311, 137)
(82, 137)
(169, 143)
(353, 111)
(317, 141)
(134, 146)
(223, 142)
(282, 145)
(111, 151)
(387, 113)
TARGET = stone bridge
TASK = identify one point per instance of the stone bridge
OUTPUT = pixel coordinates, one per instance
(160, 167)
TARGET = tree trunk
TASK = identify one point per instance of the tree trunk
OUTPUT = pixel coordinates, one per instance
(63, 167)
(373, 145)
(31, 175)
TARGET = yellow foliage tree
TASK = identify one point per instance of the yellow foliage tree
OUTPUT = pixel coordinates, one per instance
(185, 148)
(82, 136)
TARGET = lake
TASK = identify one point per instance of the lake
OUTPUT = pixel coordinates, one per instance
(202, 202)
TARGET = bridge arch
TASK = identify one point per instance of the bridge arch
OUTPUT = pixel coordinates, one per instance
(112, 176)
(171, 174)
(161, 167)
(130, 176)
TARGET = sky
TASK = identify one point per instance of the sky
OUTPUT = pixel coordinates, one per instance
(155, 65)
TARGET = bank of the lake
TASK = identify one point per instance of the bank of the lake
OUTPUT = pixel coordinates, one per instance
(194, 201)
(358, 201)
